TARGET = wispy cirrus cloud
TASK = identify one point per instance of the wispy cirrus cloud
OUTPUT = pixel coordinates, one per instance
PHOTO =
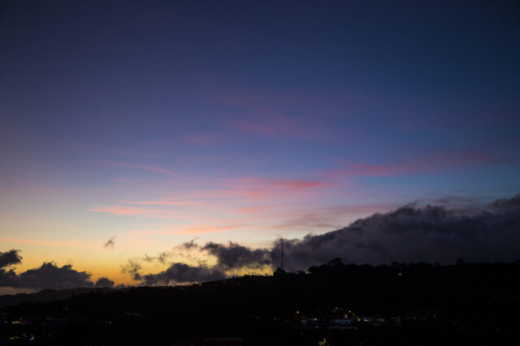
(260, 188)
(207, 229)
(238, 189)
(415, 166)
(140, 212)
(278, 184)
(207, 139)
(162, 202)
(138, 166)
(257, 128)
(271, 114)
(102, 150)
(189, 229)
(284, 127)
(328, 217)
(37, 242)
(265, 208)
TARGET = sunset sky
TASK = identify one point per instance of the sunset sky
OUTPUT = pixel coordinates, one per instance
(130, 127)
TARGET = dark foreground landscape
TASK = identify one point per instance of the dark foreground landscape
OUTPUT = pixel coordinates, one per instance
(333, 304)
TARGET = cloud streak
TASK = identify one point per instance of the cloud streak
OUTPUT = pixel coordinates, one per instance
(138, 166)
(162, 202)
(131, 211)
(261, 189)
(419, 165)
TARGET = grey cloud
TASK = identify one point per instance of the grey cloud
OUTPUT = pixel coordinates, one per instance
(433, 234)
(508, 205)
(7, 278)
(9, 258)
(190, 244)
(178, 250)
(49, 275)
(183, 273)
(235, 256)
(104, 282)
(147, 258)
(229, 256)
(456, 201)
(163, 256)
(110, 243)
(133, 268)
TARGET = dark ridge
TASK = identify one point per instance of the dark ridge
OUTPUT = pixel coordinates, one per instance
(415, 303)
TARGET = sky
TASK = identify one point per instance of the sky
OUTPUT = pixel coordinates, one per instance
(138, 137)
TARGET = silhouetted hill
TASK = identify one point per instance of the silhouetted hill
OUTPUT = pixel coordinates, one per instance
(47, 295)
(462, 303)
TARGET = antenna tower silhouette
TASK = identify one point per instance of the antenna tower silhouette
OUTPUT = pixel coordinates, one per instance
(282, 266)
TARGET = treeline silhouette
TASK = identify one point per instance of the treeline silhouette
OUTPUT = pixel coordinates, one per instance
(413, 304)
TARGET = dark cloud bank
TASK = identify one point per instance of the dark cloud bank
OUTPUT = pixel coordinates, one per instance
(49, 275)
(408, 234)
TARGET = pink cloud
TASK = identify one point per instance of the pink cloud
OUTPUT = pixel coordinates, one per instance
(271, 209)
(234, 190)
(276, 183)
(161, 202)
(189, 229)
(218, 193)
(280, 189)
(294, 184)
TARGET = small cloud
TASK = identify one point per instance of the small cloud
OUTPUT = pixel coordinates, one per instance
(110, 243)
(129, 211)
(49, 275)
(184, 273)
(133, 268)
(104, 282)
(190, 244)
(235, 256)
(10, 258)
